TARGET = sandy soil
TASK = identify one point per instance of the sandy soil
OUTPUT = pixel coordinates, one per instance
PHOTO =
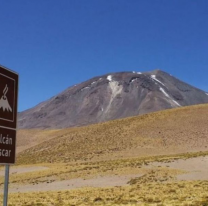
(19, 170)
(107, 181)
(196, 168)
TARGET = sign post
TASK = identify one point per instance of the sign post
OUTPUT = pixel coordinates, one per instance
(6, 185)
(8, 121)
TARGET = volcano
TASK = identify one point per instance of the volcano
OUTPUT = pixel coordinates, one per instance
(112, 96)
(4, 104)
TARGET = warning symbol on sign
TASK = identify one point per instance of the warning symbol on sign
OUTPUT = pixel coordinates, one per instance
(8, 98)
(4, 104)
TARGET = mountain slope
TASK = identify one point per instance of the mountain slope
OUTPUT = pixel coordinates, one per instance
(171, 131)
(112, 96)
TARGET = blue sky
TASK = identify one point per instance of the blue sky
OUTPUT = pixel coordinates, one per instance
(55, 44)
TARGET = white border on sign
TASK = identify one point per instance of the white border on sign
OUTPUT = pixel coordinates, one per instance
(14, 98)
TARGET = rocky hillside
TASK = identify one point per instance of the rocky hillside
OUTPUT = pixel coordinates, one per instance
(112, 96)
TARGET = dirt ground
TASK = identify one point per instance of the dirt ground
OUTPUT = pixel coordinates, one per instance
(19, 170)
(107, 181)
(194, 169)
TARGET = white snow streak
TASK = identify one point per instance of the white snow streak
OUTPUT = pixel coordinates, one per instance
(109, 78)
(154, 78)
(89, 85)
(206, 93)
(115, 90)
(167, 95)
(137, 72)
(84, 88)
(133, 80)
(164, 92)
(176, 103)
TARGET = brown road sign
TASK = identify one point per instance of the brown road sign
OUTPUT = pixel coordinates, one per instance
(7, 145)
(8, 115)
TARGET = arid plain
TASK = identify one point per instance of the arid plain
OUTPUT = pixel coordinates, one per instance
(159, 158)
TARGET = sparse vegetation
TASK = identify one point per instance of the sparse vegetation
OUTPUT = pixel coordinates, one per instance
(64, 171)
(122, 147)
(167, 194)
(171, 131)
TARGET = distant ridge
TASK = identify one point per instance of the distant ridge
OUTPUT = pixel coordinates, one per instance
(112, 96)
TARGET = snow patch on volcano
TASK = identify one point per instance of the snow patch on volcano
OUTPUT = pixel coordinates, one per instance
(167, 95)
(136, 72)
(115, 90)
(154, 78)
(164, 92)
(109, 78)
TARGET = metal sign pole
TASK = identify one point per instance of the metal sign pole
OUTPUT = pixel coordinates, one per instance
(6, 185)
